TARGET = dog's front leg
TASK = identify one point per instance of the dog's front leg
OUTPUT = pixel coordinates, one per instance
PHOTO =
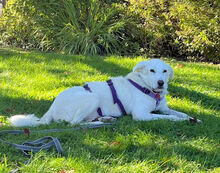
(182, 115)
(141, 114)
(173, 112)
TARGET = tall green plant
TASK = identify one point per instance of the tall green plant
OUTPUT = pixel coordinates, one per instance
(83, 27)
(90, 29)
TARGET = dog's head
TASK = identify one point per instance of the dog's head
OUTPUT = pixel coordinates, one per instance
(155, 73)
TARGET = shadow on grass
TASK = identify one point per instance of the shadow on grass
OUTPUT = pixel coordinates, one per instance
(178, 137)
(11, 106)
(133, 152)
(99, 63)
(194, 96)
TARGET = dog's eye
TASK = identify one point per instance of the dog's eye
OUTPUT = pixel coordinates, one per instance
(165, 71)
(152, 70)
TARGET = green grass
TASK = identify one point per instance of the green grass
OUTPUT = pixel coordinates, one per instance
(29, 82)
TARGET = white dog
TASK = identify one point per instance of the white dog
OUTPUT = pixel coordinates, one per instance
(139, 93)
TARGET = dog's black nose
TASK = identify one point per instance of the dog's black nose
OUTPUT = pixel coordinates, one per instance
(160, 83)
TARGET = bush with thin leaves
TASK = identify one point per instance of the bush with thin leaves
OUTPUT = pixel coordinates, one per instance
(71, 26)
(87, 28)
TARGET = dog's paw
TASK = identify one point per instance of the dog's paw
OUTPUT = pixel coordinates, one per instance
(107, 119)
(199, 121)
(195, 120)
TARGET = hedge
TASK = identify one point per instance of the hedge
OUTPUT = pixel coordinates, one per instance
(183, 29)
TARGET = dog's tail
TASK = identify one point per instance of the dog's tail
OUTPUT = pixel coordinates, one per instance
(28, 120)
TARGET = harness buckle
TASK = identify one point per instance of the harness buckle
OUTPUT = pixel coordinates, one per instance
(146, 91)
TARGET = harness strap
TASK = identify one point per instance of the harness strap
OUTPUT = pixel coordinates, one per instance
(86, 87)
(99, 111)
(115, 97)
(147, 92)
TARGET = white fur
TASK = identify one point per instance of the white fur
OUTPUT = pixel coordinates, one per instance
(77, 105)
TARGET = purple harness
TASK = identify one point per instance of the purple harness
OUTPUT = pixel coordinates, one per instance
(147, 91)
(99, 111)
(119, 103)
(114, 96)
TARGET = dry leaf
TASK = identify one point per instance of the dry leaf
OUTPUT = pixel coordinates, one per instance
(67, 171)
(179, 66)
(67, 72)
(115, 143)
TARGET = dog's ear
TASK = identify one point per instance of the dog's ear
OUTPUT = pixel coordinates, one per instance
(171, 72)
(140, 66)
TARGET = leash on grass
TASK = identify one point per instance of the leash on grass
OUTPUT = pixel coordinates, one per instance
(44, 142)
(41, 144)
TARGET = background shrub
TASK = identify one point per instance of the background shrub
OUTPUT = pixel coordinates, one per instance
(198, 27)
(17, 26)
(184, 29)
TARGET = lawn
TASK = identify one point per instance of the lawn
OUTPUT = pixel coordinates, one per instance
(29, 82)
